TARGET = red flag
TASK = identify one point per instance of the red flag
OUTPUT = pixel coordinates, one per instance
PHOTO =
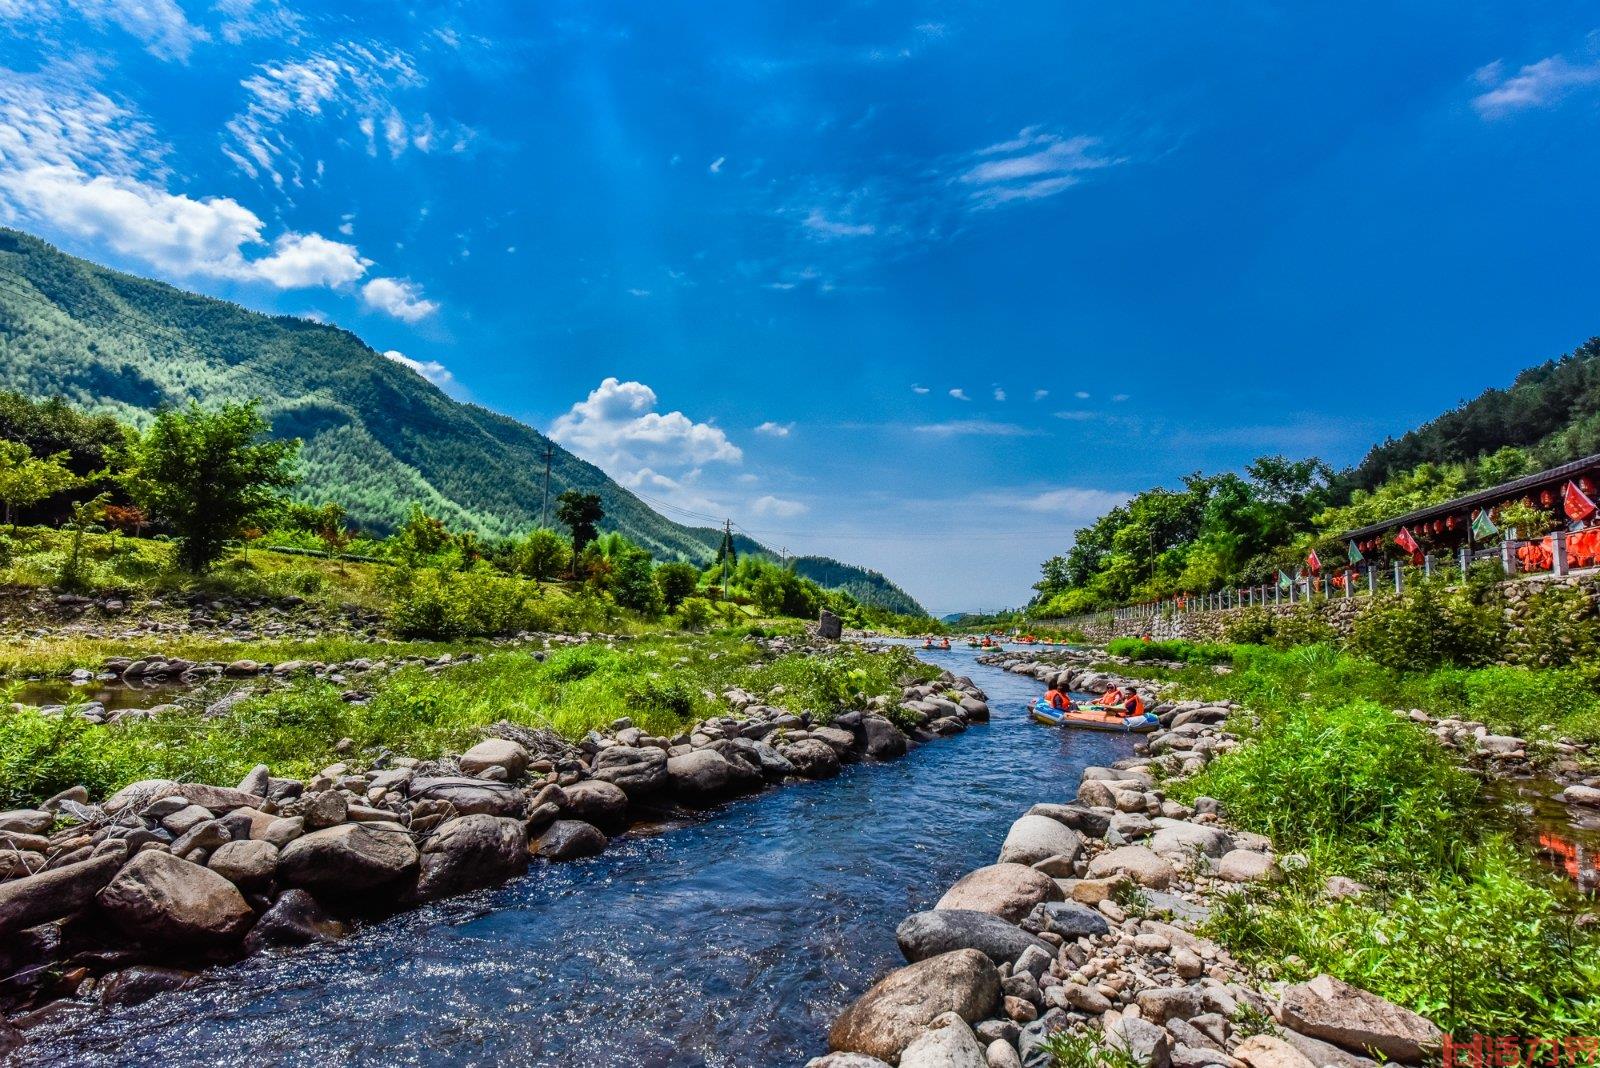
(1576, 503)
(1406, 541)
(1314, 562)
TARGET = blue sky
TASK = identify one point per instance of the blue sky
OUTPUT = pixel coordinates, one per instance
(923, 286)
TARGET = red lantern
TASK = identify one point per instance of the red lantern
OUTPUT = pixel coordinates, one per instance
(1586, 484)
(1450, 523)
(1546, 498)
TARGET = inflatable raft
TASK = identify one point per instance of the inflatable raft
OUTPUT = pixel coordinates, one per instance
(1094, 718)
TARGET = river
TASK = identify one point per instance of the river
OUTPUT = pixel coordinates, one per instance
(730, 941)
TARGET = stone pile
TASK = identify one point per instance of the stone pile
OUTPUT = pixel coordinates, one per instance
(117, 901)
(1085, 923)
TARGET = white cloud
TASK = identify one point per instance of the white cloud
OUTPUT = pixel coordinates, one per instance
(1031, 166)
(160, 24)
(617, 426)
(824, 227)
(1040, 394)
(1072, 501)
(716, 165)
(639, 292)
(348, 81)
(1537, 85)
(777, 507)
(1119, 397)
(775, 430)
(1082, 394)
(432, 370)
(399, 297)
(302, 260)
(920, 390)
(960, 394)
(244, 20)
(976, 427)
(999, 394)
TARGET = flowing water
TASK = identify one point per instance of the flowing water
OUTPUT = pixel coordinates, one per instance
(733, 940)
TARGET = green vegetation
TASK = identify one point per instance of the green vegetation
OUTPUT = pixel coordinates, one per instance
(1456, 923)
(659, 682)
(1178, 650)
(207, 475)
(1227, 530)
(378, 438)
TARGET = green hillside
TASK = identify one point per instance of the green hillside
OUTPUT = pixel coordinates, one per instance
(378, 437)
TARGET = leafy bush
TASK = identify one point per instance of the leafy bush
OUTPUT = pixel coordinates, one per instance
(1428, 626)
(1250, 626)
(1558, 628)
(1174, 649)
(430, 603)
(1302, 625)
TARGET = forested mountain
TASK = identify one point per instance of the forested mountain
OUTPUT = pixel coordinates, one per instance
(869, 587)
(1552, 410)
(377, 436)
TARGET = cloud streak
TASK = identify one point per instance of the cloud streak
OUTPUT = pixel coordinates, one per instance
(1536, 85)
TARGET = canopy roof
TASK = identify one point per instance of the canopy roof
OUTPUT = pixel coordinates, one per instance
(1554, 478)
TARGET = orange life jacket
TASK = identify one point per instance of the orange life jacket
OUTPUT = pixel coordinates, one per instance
(1112, 696)
(1056, 699)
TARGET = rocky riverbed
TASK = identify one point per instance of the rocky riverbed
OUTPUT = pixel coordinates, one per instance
(1085, 924)
(111, 903)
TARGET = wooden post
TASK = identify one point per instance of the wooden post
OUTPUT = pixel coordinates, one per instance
(1427, 564)
(1558, 553)
(1372, 580)
(1505, 555)
(1397, 576)
(1466, 562)
(1349, 580)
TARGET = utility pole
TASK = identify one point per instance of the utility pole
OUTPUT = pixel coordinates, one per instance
(727, 559)
(783, 556)
(544, 508)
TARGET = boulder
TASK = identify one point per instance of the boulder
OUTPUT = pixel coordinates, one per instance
(140, 983)
(900, 1006)
(1269, 1051)
(1245, 866)
(1069, 919)
(26, 821)
(1179, 839)
(948, 1043)
(1162, 1003)
(812, 759)
(881, 739)
(568, 840)
(1009, 891)
(1137, 862)
(295, 919)
(639, 772)
(846, 1060)
(701, 775)
(598, 802)
(348, 859)
(136, 795)
(245, 863)
(1581, 795)
(1144, 1043)
(470, 852)
(1325, 1054)
(841, 740)
(1086, 821)
(218, 799)
(257, 781)
(160, 899)
(470, 796)
(1335, 1011)
(53, 894)
(928, 934)
(495, 753)
(1035, 838)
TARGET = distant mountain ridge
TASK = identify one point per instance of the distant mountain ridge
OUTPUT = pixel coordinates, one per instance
(377, 435)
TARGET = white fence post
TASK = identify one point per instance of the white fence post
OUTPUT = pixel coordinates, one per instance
(1397, 576)
(1558, 553)
(1505, 556)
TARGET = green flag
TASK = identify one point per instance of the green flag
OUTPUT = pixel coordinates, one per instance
(1284, 581)
(1355, 553)
(1482, 526)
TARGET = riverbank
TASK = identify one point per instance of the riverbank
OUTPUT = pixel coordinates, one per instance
(132, 896)
(1137, 921)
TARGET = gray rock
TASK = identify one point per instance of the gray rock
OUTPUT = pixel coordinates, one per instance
(257, 781)
(470, 852)
(701, 775)
(26, 821)
(246, 863)
(1160, 1004)
(1178, 839)
(899, 1007)
(1009, 891)
(1325, 1054)
(1270, 1051)
(1348, 1016)
(881, 739)
(350, 859)
(470, 796)
(569, 840)
(1244, 866)
(948, 1043)
(598, 802)
(1069, 919)
(329, 808)
(160, 899)
(639, 772)
(1137, 862)
(812, 759)
(53, 894)
(1144, 1042)
(140, 983)
(295, 919)
(1035, 838)
(1086, 821)
(495, 753)
(929, 934)
(846, 1060)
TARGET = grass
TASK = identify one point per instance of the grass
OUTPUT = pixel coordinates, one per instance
(1459, 924)
(661, 683)
(58, 655)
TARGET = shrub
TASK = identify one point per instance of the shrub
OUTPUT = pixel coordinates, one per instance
(1302, 625)
(1173, 649)
(1428, 626)
(1250, 626)
(430, 603)
(1558, 628)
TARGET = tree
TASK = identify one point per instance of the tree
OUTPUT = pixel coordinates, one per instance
(632, 582)
(26, 479)
(207, 475)
(539, 556)
(579, 512)
(676, 580)
(727, 552)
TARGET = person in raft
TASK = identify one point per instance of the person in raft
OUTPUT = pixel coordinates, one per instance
(1057, 700)
(1112, 697)
(1133, 708)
